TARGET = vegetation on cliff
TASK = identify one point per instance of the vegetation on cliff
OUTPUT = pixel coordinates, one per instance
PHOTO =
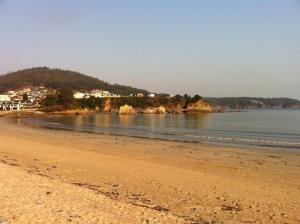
(63, 100)
(252, 102)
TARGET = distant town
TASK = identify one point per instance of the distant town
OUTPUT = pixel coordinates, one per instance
(24, 98)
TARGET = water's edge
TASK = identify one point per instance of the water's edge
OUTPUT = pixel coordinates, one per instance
(223, 141)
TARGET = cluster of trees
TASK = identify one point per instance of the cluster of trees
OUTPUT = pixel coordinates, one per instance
(64, 100)
(159, 100)
(252, 102)
(57, 79)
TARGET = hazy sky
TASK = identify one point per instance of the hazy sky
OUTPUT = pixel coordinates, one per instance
(209, 47)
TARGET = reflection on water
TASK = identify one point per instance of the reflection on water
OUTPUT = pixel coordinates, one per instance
(255, 127)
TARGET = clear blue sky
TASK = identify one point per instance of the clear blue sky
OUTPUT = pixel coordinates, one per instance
(209, 47)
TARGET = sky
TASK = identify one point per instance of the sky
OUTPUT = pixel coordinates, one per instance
(205, 47)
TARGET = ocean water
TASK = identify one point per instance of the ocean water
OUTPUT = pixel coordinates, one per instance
(276, 128)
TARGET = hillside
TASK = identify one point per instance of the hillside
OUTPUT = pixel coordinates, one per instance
(58, 78)
(253, 102)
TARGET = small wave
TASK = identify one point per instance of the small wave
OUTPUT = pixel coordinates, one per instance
(244, 140)
(54, 123)
(166, 133)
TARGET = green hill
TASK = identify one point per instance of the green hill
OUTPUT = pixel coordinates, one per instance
(58, 78)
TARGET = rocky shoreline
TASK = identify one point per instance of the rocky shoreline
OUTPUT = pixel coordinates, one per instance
(198, 107)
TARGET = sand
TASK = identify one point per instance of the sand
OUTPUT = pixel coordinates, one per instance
(51, 176)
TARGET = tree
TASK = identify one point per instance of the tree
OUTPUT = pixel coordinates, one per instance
(66, 98)
(50, 100)
(25, 97)
(62, 99)
(197, 98)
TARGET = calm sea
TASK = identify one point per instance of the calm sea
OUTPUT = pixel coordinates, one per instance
(253, 127)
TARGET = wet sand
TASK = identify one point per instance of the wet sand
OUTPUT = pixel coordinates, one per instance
(51, 176)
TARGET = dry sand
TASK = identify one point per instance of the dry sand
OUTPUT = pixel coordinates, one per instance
(50, 176)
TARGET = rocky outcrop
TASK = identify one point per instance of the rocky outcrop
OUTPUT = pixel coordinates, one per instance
(196, 106)
(178, 109)
(199, 106)
(126, 110)
(155, 110)
(107, 106)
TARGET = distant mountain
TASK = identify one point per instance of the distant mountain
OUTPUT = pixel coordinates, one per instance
(253, 102)
(58, 78)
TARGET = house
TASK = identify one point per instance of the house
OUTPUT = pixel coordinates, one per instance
(12, 93)
(16, 98)
(151, 95)
(79, 95)
(25, 90)
(31, 98)
(4, 98)
(10, 106)
(100, 93)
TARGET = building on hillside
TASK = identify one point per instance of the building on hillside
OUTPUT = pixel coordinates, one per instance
(10, 106)
(25, 90)
(100, 94)
(151, 95)
(16, 98)
(12, 93)
(4, 98)
(79, 95)
(137, 95)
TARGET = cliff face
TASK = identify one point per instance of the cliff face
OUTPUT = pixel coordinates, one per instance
(178, 109)
(199, 106)
(156, 110)
(107, 106)
(126, 110)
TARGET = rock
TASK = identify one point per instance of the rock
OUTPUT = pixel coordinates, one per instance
(175, 110)
(107, 106)
(126, 110)
(199, 106)
(155, 110)
(161, 110)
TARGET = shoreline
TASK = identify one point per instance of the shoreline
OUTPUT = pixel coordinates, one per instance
(172, 182)
(234, 143)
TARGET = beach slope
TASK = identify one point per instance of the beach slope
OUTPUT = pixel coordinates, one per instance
(51, 176)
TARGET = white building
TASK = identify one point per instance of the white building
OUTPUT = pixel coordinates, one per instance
(100, 93)
(151, 95)
(10, 106)
(4, 97)
(26, 90)
(12, 93)
(79, 95)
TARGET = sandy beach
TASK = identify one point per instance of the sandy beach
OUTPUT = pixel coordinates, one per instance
(51, 176)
